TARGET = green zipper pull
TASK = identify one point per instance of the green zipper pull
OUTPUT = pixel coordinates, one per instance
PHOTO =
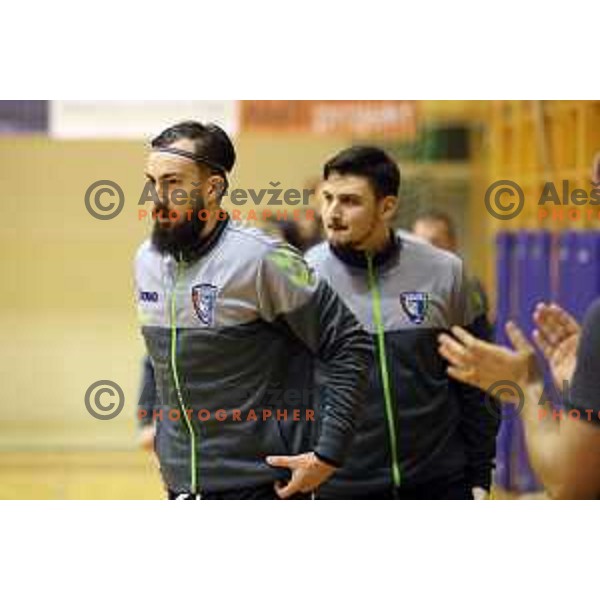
(193, 469)
(385, 379)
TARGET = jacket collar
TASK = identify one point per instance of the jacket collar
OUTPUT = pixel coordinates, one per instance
(206, 244)
(358, 258)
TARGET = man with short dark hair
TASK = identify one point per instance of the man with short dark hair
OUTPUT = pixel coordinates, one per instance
(232, 320)
(422, 436)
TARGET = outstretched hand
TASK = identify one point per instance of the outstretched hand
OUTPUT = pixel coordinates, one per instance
(557, 336)
(482, 364)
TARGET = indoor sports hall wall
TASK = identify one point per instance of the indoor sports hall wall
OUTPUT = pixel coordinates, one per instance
(65, 295)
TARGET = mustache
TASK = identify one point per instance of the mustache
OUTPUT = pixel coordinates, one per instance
(336, 223)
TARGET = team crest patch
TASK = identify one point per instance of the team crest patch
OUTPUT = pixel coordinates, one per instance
(415, 305)
(204, 298)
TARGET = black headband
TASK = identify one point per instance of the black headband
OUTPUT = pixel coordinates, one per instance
(202, 160)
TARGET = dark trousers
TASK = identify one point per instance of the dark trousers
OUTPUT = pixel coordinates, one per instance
(264, 492)
(435, 490)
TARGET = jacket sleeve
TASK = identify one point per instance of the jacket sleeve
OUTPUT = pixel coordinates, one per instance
(289, 291)
(147, 395)
(479, 413)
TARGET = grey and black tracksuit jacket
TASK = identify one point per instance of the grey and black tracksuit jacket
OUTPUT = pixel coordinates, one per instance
(418, 428)
(235, 325)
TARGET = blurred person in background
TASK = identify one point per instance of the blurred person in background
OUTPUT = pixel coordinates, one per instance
(302, 233)
(437, 228)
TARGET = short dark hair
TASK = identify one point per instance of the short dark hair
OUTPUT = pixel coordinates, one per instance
(210, 142)
(433, 214)
(370, 162)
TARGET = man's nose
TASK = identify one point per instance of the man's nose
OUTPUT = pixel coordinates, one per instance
(162, 194)
(334, 209)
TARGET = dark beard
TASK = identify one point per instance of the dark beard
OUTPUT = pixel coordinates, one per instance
(181, 239)
(352, 245)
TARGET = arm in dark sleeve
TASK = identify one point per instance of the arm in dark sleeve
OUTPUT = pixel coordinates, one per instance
(479, 415)
(313, 312)
(584, 394)
(147, 396)
(479, 427)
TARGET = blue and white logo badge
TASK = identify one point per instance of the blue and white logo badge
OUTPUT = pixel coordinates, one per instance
(148, 296)
(415, 305)
(204, 298)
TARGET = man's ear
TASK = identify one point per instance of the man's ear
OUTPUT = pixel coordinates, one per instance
(216, 187)
(388, 205)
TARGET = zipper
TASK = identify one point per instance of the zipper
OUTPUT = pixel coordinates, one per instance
(174, 371)
(383, 368)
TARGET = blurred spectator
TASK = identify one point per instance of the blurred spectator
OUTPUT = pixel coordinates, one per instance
(437, 228)
(303, 233)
